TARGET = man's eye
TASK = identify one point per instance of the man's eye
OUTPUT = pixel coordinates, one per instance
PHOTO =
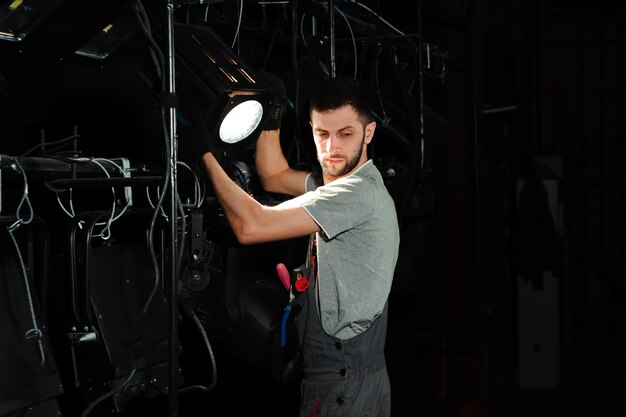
(346, 134)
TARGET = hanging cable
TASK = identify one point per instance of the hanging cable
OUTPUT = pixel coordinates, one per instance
(108, 394)
(240, 7)
(159, 63)
(296, 76)
(207, 343)
(157, 275)
(379, 17)
(57, 144)
(198, 191)
(302, 30)
(416, 150)
(386, 118)
(35, 332)
(155, 51)
(105, 233)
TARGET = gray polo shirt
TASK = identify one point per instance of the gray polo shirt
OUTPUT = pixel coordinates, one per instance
(357, 249)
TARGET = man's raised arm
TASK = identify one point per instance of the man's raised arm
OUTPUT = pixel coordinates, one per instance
(273, 169)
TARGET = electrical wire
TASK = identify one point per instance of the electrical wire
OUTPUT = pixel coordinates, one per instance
(199, 193)
(158, 207)
(105, 233)
(154, 206)
(240, 7)
(35, 331)
(113, 217)
(297, 142)
(379, 17)
(386, 118)
(155, 51)
(57, 143)
(159, 62)
(420, 148)
(207, 343)
(108, 394)
(302, 30)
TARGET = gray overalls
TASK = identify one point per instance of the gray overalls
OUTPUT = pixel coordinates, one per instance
(341, 377)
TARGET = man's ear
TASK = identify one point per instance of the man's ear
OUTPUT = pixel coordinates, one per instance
(369, 131)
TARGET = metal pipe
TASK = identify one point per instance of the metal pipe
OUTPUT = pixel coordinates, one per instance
(420, 100)
(378, 38)
(331, 16)
(173, 216)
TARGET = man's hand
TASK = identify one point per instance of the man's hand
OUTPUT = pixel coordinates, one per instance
(279, 99)
(194, 136)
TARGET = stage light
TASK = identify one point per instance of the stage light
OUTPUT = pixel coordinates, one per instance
(111, 35)
(238, 117)
(18, 18)
(212, 74)
(241, 121)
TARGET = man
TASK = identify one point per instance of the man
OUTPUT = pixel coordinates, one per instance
(354, 250)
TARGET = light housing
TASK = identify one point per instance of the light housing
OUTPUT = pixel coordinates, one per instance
(18, 18)
(111, 35)
(237, 117)
(210, 73)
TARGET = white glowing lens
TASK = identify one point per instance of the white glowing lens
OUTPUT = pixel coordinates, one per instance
(241, 121)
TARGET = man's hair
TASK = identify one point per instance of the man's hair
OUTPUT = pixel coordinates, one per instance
(338, 92)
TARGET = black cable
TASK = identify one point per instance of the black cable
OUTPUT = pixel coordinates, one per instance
(377, 85)
(211, 356)
(417, 147)
(156, 52)
(58, 142)
(159, 59)
(157, 207)
(296, 75)
(108, 394)
(183, 227)
(300, 149)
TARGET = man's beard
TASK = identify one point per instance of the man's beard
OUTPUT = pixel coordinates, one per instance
(351, 162)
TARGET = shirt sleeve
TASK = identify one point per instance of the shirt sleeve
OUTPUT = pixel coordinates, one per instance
(341, 205)
(313, 180)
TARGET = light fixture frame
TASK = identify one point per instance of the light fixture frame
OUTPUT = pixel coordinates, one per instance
(34, 13)
(217, 77)
(227, 102)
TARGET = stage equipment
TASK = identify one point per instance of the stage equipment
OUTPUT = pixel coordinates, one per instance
(111, 35)
(18, 18)
(115, 341)
(30, 381)
(216, 78)
(238, 302)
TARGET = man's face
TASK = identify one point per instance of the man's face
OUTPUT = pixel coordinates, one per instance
(341, 140)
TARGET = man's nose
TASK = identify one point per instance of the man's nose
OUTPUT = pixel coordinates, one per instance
(332, 143)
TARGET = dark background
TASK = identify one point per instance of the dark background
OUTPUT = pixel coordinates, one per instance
(500, 306)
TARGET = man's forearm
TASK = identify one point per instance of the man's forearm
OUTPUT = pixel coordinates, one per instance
(239, 207)
(273, 168)
(250, 221)
(269, 158)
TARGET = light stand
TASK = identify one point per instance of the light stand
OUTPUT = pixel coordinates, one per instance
(173, 215)
(331, 17)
